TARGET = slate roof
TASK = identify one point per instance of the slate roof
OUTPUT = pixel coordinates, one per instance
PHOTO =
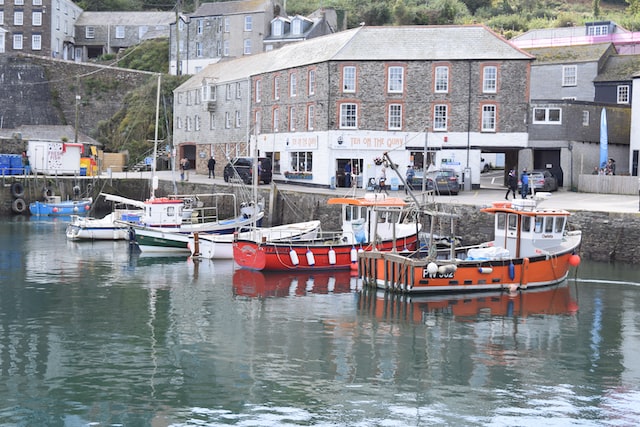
(409, 43)
(231, 8)
(569, 54)
(126, 18)
(619, 68)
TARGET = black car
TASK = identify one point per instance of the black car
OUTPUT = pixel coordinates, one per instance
(446, 182)
(242, 167)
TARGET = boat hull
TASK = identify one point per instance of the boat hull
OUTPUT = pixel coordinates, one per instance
(169, 242)
(275, 256)
(406, 275)
(220, 246)
(67, 208)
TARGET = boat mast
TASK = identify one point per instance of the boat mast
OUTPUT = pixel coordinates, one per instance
(154, 178)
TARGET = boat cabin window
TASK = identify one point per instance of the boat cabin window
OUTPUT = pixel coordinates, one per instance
(560, 224)
(538, 227)
(354, 212)
(513, 222)
(171, 211)
(526, 224)
(548, 224)
(501, 219)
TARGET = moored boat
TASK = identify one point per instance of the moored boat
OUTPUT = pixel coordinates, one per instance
(220, 246)
(531, 248)
(373, 221)
(166, 222)
(54, 206)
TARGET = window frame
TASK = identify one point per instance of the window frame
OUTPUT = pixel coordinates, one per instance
(622, 94)
(395, 80)
(547, 115)
(489, 82)
(394, 118)
(292, 118)
(569, 75)
(311, 88)
(440, 117)
(248, 23)
(293, 85)
(348, 115)
(441, 82)
(311, 116)
(489, 113)
(349, 77)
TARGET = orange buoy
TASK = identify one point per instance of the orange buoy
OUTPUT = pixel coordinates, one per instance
(574, 260)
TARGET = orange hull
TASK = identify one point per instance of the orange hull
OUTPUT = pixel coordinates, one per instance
(402, 274)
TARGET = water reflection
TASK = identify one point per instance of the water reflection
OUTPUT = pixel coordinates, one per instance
(268, 284)
(419, 309)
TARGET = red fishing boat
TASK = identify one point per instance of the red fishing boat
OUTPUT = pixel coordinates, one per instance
(375, 221)
(531, 247)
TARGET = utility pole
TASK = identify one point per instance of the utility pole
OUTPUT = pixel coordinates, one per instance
(75, 139)
(178, 11)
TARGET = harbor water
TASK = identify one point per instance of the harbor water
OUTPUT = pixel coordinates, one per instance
(94, 334)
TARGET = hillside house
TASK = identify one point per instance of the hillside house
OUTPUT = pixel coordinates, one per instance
(100, 33)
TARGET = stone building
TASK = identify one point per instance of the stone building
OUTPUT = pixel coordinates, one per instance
(99, 33)
(39, 27)
(313, 106)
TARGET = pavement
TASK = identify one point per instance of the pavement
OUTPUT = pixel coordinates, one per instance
(488, 193)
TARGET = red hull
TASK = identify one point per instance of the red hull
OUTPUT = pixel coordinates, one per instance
(277, 256)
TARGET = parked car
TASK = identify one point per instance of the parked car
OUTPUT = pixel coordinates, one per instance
(242, 167)
(541, 180)
(446, 181)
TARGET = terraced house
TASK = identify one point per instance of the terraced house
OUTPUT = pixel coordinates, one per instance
(427, 95)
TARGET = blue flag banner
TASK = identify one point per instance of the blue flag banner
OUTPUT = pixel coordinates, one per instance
(604, 139)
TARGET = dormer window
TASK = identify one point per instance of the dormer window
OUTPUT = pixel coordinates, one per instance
(276, 27)
(296, 27)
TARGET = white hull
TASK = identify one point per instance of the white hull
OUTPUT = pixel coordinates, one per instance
(220, 246)
(107, 228)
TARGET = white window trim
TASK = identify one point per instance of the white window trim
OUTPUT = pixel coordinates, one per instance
(546, 116)
(349, 85)
(344, 116)
(491, 109)
(445, 79)
(436, 108)
(622, 92)
(567, 78)
(389, 109)
(486, 87)
(392, 75)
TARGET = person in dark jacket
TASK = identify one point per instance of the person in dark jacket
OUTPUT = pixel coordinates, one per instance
(211, 164)
(512, 184)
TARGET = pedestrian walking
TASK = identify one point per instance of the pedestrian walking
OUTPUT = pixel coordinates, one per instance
(184, 169)
(347, 174)
(524, 178)
(512, 184)
(211, 164)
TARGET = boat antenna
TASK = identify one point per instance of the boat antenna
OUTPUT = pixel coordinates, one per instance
(154, 178)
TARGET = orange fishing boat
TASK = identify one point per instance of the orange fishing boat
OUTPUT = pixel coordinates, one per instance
(374, 221)
(531, 248)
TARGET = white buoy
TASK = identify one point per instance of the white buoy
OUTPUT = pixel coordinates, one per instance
(432, 268)
(485, 270)
(310, 258)
(294, 257)
(354, 255)
(332, 256)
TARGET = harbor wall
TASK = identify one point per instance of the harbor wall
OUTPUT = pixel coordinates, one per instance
(606, 236)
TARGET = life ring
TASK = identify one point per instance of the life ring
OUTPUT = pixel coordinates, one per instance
(47, 192)
(18, 206)
(17, 190)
